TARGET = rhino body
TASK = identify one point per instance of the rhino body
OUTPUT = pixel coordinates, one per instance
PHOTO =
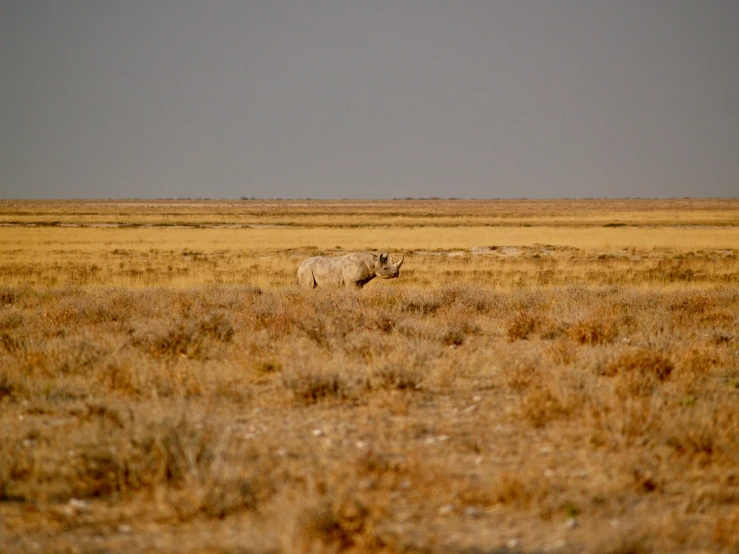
(351, 271)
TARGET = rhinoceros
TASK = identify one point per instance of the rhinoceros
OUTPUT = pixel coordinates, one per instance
(351, 271)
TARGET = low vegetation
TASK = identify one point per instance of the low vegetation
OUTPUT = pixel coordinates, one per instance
(529, 398)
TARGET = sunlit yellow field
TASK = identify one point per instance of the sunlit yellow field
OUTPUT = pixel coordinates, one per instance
(543, 376)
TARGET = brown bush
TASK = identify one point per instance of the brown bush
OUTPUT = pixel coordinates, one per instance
(697, 360)
(399, 377)
(562, 351)
(342, 523)
(541, 405)
(189, 339)
(640, 371)
(313, 385)
(521, 326)
(593, 330)
(522, 373)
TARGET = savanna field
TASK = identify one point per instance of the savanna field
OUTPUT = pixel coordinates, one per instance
(544, 376)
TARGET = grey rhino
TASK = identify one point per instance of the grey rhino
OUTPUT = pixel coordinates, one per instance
(351, 271)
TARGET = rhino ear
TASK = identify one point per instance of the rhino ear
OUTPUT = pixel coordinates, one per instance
(383, 258)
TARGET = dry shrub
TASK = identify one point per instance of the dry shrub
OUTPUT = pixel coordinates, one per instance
(11, 318)
(521, 326)
(629, 420)
(421, 303)
(453, 336)
(269, 366)
(223, 496)
(126, 454)
(118, 375)
(76, 355)
(9, 296)
(313, 385)
(184, 339)
(522, 373)
(384, 321)
(725, 533)
(216, 326)
(540, 405)
(624, 541)
(404, 366)
(75, 307)
(689, 308)
(639, 371)
(697, 360)
(340, 524)
(318, 328)
(692, 304)
(594, 330)
(58, 355)
(12, 342)
(456, 331)
(518, 489)
(9, 386)
(330, 328)
(705, 430)
(397, 377)
(471, 299)
(276, 324)
(561, 351)
(552, 330)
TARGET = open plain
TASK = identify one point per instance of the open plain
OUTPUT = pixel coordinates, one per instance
(544, 376)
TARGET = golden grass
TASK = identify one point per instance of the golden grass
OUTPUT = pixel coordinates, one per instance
(268, 257)
(550, 388)
(37, 240)
(376, 213)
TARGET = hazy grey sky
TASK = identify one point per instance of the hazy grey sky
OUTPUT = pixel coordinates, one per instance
(368, 98)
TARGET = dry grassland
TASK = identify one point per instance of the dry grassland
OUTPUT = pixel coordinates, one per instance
(543, 377)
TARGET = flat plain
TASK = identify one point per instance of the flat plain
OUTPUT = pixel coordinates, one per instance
(544, 376)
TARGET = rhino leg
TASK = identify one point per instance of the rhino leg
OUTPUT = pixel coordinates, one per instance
(306, 278)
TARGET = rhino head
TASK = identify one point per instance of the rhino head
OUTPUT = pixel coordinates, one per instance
(385, 268)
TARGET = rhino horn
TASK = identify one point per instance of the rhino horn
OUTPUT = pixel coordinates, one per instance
(400, 262)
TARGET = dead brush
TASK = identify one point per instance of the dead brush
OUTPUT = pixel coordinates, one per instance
(697, 360)
(521, 326)
(707, 431)
(194, 465)
(522, 373)
(11, 319)
(594, 330)
(339, 524)
(422, 303)
(8, 386)
(453, 337)
(314, 385)
(471, 299)
(12, 342)
(725, 533)
(562, 351)
(639, 372)
(691, 304)
(519, 489)
(76, 355)
(540, 404)
(397, 377)
(193, 339)
(385, 322)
